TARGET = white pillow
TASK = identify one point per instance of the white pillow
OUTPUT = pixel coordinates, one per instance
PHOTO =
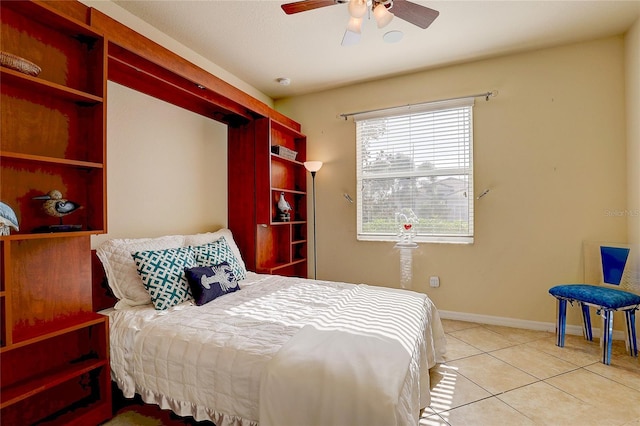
(209, 237)
(121, 271)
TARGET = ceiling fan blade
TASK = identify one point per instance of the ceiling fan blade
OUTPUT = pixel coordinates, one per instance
(304, 5)
(413, 13)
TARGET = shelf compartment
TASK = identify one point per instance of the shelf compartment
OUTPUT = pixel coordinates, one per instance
(299, 233)
(287, 174)
(17, 79)
(80, 184)
(58, 328)
(23, 390)
(269, 237)
(69, 52)
(74, 131)
(70, 396)
(284, 135)
(37, 307)
(297, 268)
(297, 200)
(52, 360)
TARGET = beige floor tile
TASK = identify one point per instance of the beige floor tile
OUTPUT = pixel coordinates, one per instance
(457, 349)
(492, 374)
(450, 325)
(489, 412)
(576, 350)
(482, 338)
(547, 405)
(531, 379)
(627, 374)
(432, 420)
(449, 389)
(519, 335)
(621, 402)
(534, 362)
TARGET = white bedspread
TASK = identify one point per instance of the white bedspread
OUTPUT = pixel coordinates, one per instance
(349, 366)
(207, 361)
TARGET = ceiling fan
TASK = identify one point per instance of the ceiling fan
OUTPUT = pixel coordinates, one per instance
(383, 11)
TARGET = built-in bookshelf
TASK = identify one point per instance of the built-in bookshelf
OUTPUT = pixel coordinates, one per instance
(53, 349)
(258, 176)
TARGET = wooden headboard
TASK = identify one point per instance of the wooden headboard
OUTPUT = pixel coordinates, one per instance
(102, 296)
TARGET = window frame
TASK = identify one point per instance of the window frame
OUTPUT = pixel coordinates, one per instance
(468, 172)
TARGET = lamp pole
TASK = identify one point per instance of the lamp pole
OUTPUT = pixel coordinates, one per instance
(315, 251)
(313, 167)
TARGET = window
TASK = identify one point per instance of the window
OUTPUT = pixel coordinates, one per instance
(416, 164)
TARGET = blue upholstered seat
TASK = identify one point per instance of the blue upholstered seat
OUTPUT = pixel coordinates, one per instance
(597, 296)
(604, 299)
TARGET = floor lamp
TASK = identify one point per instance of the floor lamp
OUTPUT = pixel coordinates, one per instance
(313, 167)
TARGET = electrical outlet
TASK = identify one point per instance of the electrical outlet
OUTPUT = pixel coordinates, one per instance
(434, 281)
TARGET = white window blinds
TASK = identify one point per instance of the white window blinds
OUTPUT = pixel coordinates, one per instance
(416, 161)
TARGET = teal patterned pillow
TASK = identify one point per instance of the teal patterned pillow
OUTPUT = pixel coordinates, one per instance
(217, 252)
(162, 273)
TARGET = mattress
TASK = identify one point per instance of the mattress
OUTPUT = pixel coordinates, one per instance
(208, 361)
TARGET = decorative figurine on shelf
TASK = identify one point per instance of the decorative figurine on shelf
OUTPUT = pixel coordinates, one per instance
(285, 208)
(8, 219)
(57, 206)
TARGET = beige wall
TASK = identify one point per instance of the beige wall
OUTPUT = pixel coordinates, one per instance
(632, 47)
(551, 148)
(166, 168)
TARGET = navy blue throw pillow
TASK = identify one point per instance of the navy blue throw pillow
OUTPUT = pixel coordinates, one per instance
(210, 282)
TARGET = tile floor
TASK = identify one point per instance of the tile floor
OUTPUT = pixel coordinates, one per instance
(507, 376)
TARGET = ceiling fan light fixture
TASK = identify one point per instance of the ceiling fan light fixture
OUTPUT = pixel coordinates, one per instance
(357, 8)
(393, 36)
(382, 15)
(355, 25)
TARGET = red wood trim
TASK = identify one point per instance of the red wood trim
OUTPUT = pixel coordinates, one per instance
(131, 41)
(71, 8)
(146, 77)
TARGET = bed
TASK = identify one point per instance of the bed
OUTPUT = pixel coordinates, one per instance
(265, 349)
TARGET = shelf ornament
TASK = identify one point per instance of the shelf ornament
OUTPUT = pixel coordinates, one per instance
(56, 206)
(285, 209)
(8, 219)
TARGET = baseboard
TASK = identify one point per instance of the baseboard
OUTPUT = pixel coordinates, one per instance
(520, 323)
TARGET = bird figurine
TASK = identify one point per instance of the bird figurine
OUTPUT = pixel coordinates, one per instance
(57, 206)
(8, 219)
(284, 207)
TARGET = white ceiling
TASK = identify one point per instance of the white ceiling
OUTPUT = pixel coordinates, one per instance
(258, 43)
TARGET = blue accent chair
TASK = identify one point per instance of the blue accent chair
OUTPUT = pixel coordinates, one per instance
(604, 299)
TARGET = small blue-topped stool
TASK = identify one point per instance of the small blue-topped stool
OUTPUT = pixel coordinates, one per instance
(605, 299)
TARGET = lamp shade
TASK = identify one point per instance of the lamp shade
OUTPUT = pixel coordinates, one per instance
(313, 166)
(355, 25)
(382, 15)
(357, 8)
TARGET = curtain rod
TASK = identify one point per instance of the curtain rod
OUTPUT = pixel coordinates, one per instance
(485, 95)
